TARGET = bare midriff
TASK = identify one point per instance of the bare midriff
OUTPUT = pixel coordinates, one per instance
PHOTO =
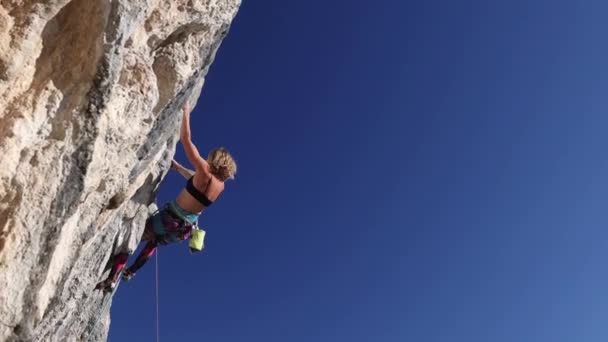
(189, 203)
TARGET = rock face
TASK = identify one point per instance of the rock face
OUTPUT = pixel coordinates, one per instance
(90, 98)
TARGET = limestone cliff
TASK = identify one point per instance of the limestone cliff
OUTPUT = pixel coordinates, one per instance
(90, 92)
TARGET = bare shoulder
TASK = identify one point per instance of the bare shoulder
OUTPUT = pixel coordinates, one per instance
(202, 167)
(202, 176)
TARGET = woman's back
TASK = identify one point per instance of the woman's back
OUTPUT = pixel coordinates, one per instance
(200, 192)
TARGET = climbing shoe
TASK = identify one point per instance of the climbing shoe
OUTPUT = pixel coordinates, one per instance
(127, 275)
(106, 286)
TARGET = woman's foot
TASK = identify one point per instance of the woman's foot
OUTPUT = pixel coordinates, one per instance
(127, 275)
(107, 285)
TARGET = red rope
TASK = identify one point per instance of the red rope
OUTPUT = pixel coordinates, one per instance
(157, 311)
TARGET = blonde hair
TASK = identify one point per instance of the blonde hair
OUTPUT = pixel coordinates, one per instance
(221, 164)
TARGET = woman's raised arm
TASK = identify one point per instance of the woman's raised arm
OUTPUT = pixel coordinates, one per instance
(185, 137)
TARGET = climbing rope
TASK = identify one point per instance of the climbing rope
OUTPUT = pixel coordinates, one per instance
(157, 311)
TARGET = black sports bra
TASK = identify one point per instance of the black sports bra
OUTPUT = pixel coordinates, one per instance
(201, 197)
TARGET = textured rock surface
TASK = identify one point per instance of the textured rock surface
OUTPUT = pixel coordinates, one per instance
(90, 92)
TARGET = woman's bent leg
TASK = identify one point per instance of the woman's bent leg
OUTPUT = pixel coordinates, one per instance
(143, 257)
(120, 260)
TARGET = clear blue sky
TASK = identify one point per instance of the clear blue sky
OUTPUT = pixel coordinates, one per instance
(407, 172)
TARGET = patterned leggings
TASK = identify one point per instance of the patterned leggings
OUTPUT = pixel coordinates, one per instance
(161, 228)
(120, 260)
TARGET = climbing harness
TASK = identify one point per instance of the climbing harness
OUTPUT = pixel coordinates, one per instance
(197, 235)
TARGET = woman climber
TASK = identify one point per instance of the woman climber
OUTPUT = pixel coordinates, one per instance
(175, 221)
